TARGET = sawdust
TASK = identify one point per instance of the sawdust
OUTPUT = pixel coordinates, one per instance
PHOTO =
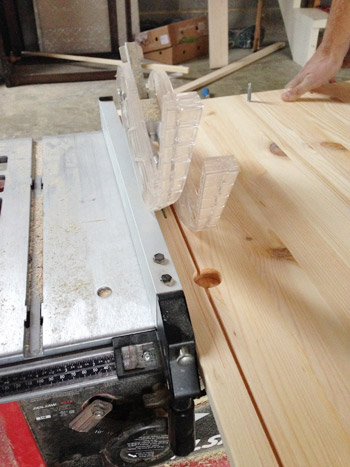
(201, 401)
(150, 109)
(210, 458)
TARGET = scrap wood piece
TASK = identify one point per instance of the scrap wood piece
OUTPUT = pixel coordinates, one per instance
(108, 61)
(231, 68)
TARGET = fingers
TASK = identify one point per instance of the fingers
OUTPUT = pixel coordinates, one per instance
(294, 82)
(298, 90)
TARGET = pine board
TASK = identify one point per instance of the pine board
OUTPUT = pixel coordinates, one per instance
(283, 249)
(245, 440)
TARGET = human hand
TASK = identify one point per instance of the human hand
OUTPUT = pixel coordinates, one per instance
(320, 69)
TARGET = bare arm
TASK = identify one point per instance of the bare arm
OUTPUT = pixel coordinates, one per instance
(328, 58)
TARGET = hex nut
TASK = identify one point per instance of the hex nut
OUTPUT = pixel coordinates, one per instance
(158, 258)
(167, 279)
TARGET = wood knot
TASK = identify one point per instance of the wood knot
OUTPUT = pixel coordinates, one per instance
(281, 253)
(207, 278)
(333, 145)
(277, 151)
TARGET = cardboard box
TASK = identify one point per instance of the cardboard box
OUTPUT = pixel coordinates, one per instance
(182, 32)
(181, 52)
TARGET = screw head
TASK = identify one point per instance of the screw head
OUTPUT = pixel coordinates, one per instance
(98, 413)
(167, 279)
(158, 258)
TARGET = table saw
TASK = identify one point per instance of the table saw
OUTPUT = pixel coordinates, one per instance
(98, 342)
(267, 289)
(103, 321)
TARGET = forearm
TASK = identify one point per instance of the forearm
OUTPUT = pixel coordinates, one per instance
(328, 58)
(336, 39)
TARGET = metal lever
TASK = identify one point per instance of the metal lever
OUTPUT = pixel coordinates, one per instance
(181, 428)
(91, 416)
(177, 341)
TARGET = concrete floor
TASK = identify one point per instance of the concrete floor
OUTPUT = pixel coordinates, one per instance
(49, 109)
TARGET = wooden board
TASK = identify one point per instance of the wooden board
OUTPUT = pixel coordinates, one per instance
(228, 69)
(283, 250)
(218, 33)
(107, 61)
(245, 439)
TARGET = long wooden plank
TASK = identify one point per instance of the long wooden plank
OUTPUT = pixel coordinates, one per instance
(318, 230)
(107, 61)
(231, 68)
(282, 249)
(246, 440)
(218, 33)
(321, 144)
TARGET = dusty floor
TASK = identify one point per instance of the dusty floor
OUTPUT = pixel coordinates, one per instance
(49, 109)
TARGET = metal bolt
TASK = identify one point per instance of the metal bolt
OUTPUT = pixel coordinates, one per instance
(158, 258)
(185, 358)
(147, 356)
(249, 92)
(167, 279)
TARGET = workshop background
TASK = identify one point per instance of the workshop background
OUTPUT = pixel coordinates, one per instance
(152, 13)
(54, 109)
(60, 108)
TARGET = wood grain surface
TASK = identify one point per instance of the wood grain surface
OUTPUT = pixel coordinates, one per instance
(282, 249)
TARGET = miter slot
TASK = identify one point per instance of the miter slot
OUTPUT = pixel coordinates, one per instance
(33, 346)
(15, 181)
